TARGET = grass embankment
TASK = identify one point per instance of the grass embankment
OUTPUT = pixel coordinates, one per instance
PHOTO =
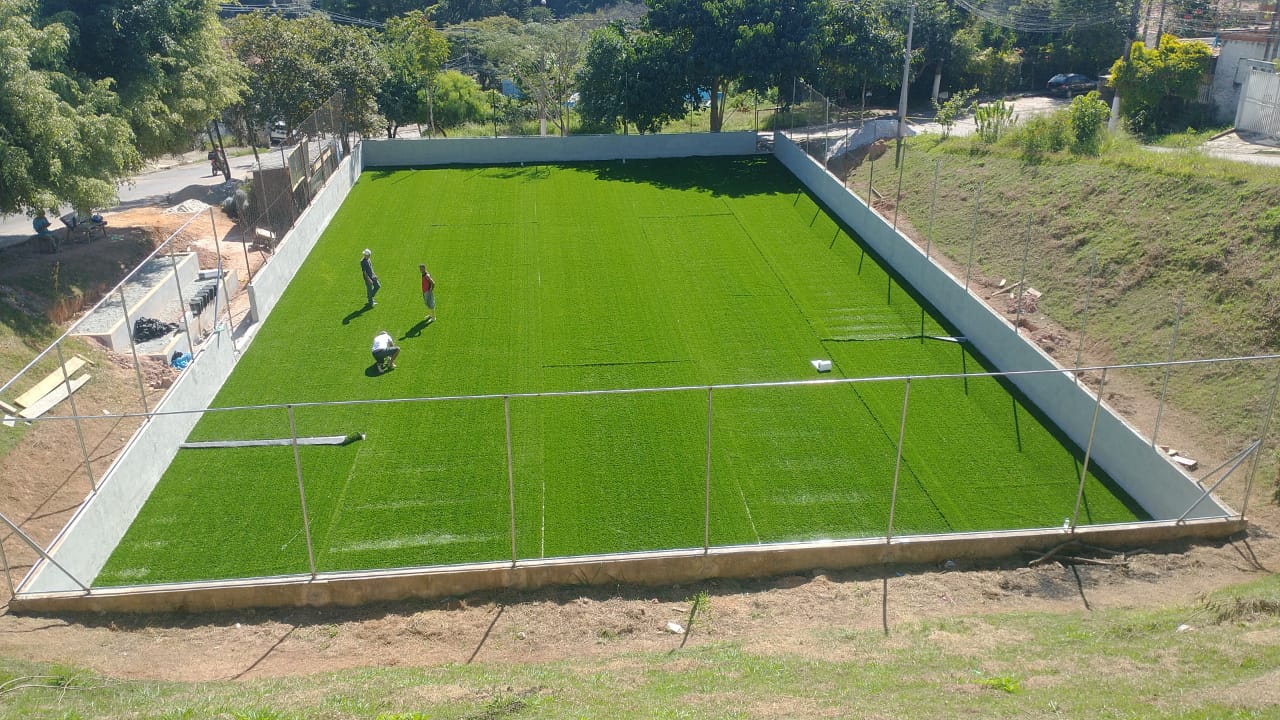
(1215, 659)
(599, 276)
(1162, 226)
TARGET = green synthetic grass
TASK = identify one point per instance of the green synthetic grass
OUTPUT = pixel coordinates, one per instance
(587, 277)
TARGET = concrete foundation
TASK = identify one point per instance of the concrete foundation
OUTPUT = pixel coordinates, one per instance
(661, 568)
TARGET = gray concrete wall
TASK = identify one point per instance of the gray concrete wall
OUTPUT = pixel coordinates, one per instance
(1148, 476)
(659, 568)
(85, 544)
(1230, 68)
(271, 280)
(498, 151)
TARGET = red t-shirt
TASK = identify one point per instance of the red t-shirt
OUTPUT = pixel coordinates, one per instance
(427, 283)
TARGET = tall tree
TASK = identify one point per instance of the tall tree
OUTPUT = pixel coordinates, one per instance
(374, 10)
(296, 65)
(165, 60)
(414, 52)
(865, 49)
(62, 138)
(631, 78)
(543, 60)
(755, 42)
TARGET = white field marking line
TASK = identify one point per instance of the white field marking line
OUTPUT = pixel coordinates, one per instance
(745, 506)
(342, 497)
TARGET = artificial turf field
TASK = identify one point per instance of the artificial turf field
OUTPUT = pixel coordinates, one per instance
(597, 276)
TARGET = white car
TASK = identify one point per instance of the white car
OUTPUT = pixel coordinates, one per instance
(278, 132)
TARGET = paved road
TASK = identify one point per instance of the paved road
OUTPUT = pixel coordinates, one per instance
(149, 188)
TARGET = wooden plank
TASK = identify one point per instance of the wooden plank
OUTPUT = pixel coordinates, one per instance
(8, 408)
(46, 403)
(42, 388)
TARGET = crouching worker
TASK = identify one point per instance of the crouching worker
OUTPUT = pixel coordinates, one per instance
(385, 352)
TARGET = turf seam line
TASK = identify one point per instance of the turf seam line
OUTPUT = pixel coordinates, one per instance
(777, 279)
(341, 500)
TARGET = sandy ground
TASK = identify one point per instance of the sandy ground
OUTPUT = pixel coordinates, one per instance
(773, 615)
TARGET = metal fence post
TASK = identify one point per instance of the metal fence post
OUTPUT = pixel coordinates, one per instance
(1262, 442)
(302, 493)
(511, 481)
(75, 414)
(1084, 469)
(221, 282)
(871, 176)
(897, 466)
(1022, 282)
(1084, 321)
(977, 207)
(706, 493)
(897, 202)
(933, 203)
(133, 348)
(182, 303)
(1164, 384)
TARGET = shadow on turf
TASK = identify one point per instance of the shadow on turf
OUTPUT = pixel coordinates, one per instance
(416, 330)
(355, 314)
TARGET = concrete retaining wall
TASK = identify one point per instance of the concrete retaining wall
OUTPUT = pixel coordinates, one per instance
(1149, 477)
(270, 282)
(499, 151)
(84, 545)
(660, 568)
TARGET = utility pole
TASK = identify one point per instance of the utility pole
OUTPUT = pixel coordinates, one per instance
(1114, 122)
(906, 80)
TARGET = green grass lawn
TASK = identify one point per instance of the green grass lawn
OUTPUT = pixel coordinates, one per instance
(584, 277)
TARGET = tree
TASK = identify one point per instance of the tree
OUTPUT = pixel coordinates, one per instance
(865, 49)
(164, 59)
(1155, 84)
(458, 100)
(296, 65)
(630, 78)
(755, 42)
(373, 10)
(414, 52)
(62, 138)
(543, 61)
(1088, 115)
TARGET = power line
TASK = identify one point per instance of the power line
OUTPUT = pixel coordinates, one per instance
(1016, 15)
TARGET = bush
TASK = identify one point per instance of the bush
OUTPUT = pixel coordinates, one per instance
(993, 119)
(1043, 134)
(1088, 115)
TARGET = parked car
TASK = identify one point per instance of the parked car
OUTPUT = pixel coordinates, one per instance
(1070, 84)
(279, 132)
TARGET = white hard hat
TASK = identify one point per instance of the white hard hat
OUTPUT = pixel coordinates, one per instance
(367, 251)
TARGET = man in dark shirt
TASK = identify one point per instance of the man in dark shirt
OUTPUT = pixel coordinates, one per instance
(371, 284)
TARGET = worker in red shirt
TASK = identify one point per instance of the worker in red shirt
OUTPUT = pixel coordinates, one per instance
(428, 292)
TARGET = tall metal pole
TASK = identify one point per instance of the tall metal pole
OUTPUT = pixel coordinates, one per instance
(1164, 384)
(66, 379)
(133, 348)
(906, 81)
(221, 282)
(511, 478)
(302, 493)
(977, 206)
(1084, 320)
(897, 201)
(1084, 469)
(1262, 442)
(706, 494)
(897, 466)
(1022, 282)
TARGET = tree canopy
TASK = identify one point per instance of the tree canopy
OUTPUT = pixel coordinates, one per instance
(1156, 82)
(630, 79)
(63, 139)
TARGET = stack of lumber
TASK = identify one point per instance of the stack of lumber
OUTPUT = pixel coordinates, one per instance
(46, 394)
